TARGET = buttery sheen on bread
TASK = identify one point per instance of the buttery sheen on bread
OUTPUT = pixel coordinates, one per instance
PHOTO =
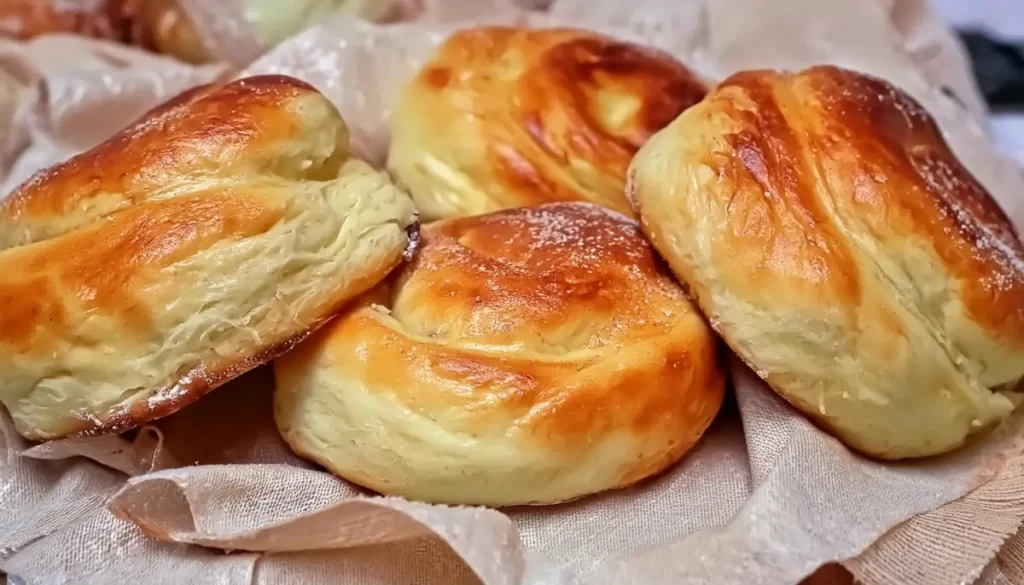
(507, 117)
(841, 249)
(527, 356)
(197, 243)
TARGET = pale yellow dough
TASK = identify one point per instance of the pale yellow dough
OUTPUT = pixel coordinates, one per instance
(194, 245)
(840, 249)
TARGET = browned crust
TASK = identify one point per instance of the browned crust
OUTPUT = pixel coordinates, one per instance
(106, 19)
(161, 26)
(227, 120)
(828, 133)
(106, 270)
(540, 97)
(639, 475)
(812, 177)
(543, 282)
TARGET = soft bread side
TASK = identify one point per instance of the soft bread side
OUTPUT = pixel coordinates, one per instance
(188, 248)
(841, 249)
(528, 356)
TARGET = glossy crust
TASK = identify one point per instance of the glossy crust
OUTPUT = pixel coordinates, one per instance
(157, 25)
(197, 243)
(506, 117)
(527, 356)
(841, 249)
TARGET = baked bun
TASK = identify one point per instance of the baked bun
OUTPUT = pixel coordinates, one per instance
(507, 117)
(157, 25)
(25, 19)
(528, 356)
(165, 27)
(188, 248)
(842, 250)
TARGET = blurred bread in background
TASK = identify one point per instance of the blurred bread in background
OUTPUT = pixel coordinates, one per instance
(274, 20)
(156, 25)
(167, 27)
(505, 117)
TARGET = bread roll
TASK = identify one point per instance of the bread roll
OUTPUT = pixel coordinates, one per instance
(528, 356)
(842, 250)
(157, 25)
(506, 117)
(165, 27)
(24, 19)
(186, 249)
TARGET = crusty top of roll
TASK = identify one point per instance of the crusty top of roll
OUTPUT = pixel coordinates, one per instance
(193, 140)
(546, 279)
(531, 355)
(843, 251)
(506, 117)
(191, 246)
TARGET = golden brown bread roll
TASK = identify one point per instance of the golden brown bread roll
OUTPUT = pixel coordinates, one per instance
(528, 356)
(841, 249)
(186, 249)
(505, 117)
